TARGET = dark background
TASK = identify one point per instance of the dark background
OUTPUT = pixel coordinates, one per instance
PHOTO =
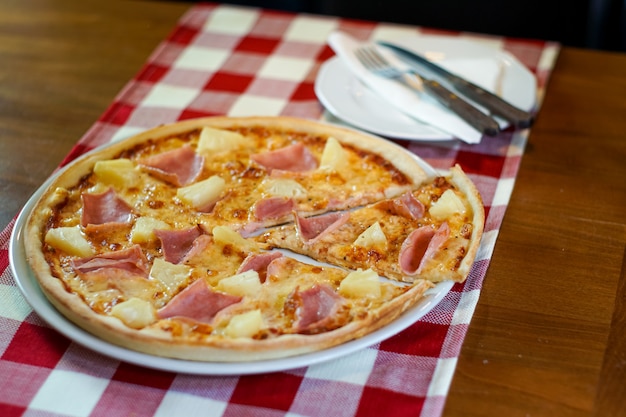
(594, 24)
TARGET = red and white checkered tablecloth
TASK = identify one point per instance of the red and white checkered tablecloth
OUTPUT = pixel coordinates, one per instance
(243, 61)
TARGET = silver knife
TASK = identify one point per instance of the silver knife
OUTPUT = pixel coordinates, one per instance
(499, 107)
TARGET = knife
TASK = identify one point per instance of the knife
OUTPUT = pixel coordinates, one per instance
(499, 107)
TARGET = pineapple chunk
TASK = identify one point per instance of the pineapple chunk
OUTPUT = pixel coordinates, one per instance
(245, 324)
(202, 194)
(117, 172)
(134, 312)
(359, 283)
(225, 235)
(143, 230)
(283, 187)
(69, 239)
(244, 284)
(334, 157)
(217, 140)
(448, 205)
(372, 237)
(172, 276)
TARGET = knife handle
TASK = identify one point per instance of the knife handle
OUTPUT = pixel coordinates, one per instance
(479, 120)
(517, 117)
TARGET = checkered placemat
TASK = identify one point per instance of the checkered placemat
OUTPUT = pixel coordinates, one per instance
(243, 61)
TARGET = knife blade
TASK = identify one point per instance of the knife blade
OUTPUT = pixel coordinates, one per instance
(499, 107)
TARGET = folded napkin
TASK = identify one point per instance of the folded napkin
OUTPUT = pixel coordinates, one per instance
(417, 105)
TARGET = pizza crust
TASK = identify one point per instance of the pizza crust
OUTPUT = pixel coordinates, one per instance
(467, 187)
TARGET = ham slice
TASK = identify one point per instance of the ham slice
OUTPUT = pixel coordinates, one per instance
(441, 236)
(129, 261)
(293, 158)
(273, 208)
(250, 228)
(178, 167)
(316, 308)
(420, 246)
(175, 244)
(198, 247)
(406, 206)
(409, 206)
(276, 266)
(258, 262)
(312, 229)
(104, 208)
(197, 302)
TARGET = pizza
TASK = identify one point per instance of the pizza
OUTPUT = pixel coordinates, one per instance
(241, 239)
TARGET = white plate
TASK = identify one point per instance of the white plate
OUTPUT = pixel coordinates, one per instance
(29, 287)
(495, 70)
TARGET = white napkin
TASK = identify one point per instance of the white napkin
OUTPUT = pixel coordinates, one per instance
(415, 104)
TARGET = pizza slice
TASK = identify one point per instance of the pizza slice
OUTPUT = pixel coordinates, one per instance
(430, 233)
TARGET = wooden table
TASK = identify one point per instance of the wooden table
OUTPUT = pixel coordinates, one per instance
(547, 337)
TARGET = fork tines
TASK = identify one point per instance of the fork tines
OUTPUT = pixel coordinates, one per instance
(374, 61)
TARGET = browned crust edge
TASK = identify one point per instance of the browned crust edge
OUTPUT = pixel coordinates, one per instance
(467, 187)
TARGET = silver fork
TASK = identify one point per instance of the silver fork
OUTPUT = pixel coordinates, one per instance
(373, 61)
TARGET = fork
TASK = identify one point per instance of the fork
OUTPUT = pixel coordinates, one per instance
(374, 62)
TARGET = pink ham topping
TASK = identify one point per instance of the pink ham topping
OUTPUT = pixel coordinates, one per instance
(293, 158)
(316, 308)
(198, 247)
(104, 208)
(273, 208)
(179, 166)
(420, 246)
(175, 244)
(276, 266)
(311, 229)
(405, 206)
(409, 206)
(197, 302)
(258, 262)
(441, 236)
(129, 261)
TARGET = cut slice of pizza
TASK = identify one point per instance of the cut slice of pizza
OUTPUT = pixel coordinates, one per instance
(430, 233)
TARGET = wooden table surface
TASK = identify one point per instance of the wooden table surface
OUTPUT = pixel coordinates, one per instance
(548, 335)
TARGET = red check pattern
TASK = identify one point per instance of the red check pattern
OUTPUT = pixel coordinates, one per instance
(242, 61)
